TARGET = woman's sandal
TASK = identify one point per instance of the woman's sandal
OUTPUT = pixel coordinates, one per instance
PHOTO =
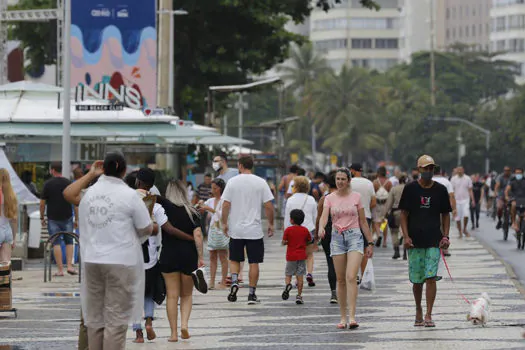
(184, 334)
(429, 324)
(419, 323)
(341, 326)
(353, 325)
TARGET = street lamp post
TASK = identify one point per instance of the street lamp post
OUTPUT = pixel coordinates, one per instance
(66, 71)
(475, 126)
(171, 86)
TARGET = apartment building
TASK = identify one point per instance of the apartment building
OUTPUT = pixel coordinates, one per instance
(349, 33)
(463, 21)
(508, 31)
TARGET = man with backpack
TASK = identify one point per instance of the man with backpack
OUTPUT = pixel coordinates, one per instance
(382, 187)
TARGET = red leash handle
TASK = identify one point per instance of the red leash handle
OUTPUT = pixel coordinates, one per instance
(452, 279)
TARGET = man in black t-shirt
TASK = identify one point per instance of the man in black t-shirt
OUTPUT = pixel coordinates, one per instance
(59, 217)
(425, 222)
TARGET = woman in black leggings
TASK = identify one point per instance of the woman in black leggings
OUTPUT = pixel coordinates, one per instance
(325, 242)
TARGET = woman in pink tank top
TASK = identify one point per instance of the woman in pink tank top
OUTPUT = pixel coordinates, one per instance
(348, 218)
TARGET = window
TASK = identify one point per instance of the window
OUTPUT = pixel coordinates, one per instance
(453, 13)
(467, 31)
(460, 12)
(448, 13)
(487, 28)
(517, 45)
(467, 11)
(474, 10)
(473, 30)
(516, 22)
(386, 44)
(333, 44)
(500, 45)
(453, 33)
(448, 34)
(460, 32)
(363, 63)
(330, 24)
(361, 43)
(374, 23)
(382, 64)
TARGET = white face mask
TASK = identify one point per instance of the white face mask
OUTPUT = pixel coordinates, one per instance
(216, 166)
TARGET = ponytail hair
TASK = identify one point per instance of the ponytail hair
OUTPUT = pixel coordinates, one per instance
(115, 164)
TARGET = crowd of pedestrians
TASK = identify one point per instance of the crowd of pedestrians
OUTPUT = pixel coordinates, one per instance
(140, 249)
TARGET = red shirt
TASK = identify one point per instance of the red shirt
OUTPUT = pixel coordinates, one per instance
(297, 238)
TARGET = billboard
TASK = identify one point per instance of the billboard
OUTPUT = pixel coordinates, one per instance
(114, 51)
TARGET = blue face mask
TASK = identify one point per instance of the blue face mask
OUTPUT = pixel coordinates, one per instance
(519, 176)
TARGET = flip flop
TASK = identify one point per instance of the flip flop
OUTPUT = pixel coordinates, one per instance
(353, 325)
(72, 272)
(429, 324)
(419, 323)
(341, 326)
(56, 274)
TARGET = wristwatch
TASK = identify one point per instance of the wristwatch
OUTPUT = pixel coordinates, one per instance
(371, 244)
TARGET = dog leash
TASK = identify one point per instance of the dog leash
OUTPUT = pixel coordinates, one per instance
(452, 279)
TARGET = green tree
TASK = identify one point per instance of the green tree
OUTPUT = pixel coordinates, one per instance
(38, 39)
(304, 67)
(344, 108)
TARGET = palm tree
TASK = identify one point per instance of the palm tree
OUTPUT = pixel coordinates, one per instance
(304, 67)
(344, 106)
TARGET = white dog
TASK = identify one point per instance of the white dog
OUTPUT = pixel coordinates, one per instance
(480, 310)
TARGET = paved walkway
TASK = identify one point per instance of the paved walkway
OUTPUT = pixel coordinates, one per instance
(386, 316)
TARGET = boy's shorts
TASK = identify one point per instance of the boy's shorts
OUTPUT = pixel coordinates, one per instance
(295, 268)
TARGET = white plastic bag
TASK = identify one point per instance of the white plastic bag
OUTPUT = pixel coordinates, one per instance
(368, 282)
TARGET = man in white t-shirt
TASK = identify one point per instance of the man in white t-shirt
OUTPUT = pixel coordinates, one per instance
(462, 185)
(243, 197)
(289, 191)
(394, 180)
(438, 177)
(365, 188)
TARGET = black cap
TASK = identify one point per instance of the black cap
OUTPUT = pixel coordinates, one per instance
(356, 167)
(147, 176)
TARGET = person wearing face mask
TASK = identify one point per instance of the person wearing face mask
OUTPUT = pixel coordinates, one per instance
(220, 165)
(414, 176)
(462, 185)
(425, 223)
(515, 191)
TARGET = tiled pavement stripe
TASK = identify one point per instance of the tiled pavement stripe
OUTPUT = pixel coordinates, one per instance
(386, 316)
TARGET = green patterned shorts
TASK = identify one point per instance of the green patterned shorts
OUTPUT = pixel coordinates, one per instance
(423, 263)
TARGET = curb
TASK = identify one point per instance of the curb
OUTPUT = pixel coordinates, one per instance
(510, 271)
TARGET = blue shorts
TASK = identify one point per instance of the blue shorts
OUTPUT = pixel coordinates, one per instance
(350, 240)
(6, 234)
(55, 226)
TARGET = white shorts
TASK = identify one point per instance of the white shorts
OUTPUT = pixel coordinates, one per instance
(463, 208)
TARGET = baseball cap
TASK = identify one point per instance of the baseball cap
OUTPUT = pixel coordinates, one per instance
(146, 175)
(424, 161)
(356, 167)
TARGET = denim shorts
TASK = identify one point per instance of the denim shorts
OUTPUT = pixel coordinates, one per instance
(55, 226)
(6, 234)
(350, 240)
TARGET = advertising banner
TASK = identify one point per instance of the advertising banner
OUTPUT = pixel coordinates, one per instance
(114, 51)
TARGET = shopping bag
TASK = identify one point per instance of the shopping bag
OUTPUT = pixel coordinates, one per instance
(368, 281)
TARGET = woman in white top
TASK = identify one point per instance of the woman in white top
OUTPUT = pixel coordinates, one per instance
(301, 200)
(114, 221)
(8, 216)
(218, 242)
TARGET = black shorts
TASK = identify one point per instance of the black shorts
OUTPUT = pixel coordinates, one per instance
(254, 250)
(369, 221)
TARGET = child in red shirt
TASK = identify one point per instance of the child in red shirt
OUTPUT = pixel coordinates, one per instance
(296, 237)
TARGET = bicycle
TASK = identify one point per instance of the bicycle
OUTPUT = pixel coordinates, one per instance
(520, 234)
(506, 221)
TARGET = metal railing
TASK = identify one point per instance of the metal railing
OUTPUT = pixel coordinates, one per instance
(48, 250)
